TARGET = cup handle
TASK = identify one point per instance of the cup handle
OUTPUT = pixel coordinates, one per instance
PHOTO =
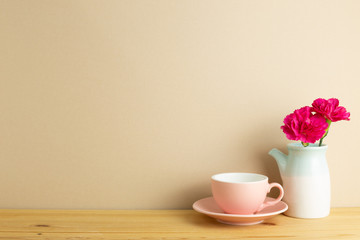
(273, 202)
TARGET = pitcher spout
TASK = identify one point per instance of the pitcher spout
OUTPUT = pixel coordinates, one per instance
(280, 158)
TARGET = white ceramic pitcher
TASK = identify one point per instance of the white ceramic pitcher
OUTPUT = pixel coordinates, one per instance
(306, 180)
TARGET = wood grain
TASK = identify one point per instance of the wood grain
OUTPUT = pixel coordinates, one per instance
(343, 223)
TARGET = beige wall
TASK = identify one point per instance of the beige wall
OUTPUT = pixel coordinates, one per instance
(135, 104)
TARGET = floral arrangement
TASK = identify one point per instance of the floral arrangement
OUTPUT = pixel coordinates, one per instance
(310, 124)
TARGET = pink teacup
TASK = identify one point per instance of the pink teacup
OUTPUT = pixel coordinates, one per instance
(243, 193)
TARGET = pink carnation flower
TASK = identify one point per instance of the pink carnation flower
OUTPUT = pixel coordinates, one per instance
(330, 109)
(304, 126)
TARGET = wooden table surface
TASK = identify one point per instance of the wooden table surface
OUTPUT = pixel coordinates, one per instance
(343, 223)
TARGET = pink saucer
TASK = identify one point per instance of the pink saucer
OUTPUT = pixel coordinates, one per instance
(209, 207)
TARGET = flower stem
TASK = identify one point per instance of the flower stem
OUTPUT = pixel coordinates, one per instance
(305, 144)
(326, 132)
